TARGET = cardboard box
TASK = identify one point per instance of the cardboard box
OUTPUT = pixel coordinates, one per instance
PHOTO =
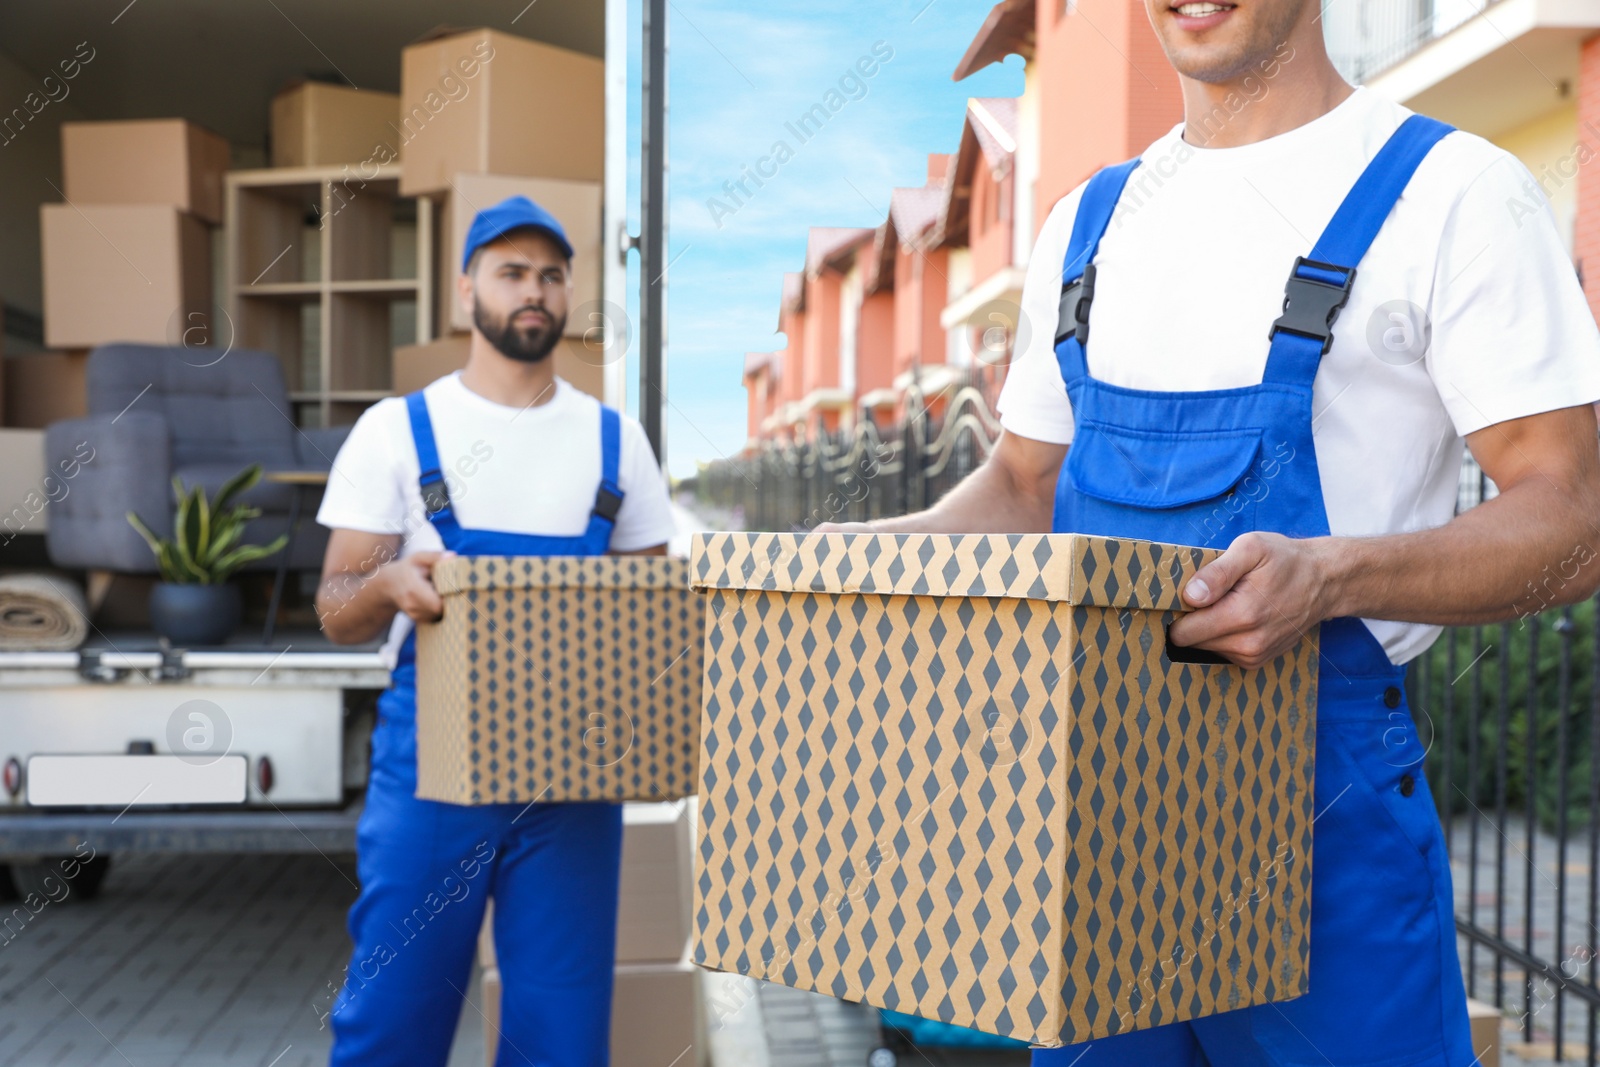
(318, 125)
(959, 777)
(653, 900)
(657, 1015)
(559, 678)
(145, 161)
(414, 366)
(122, 272)
(577, 205)
(1485, 1020)
(45, 387)
(655, 888)
(493, 990)
(486, 954)
(486, 102)
(25, 489)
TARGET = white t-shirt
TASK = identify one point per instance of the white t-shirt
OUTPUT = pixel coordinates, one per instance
(1191, 272)
(529, 470)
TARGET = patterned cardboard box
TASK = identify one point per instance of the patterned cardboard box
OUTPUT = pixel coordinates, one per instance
(559, 678)
(960, 777)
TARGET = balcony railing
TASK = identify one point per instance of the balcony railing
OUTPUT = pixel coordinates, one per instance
(1366, 37)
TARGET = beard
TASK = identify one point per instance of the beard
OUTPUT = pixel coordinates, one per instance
(525, 345)
(1271, 25)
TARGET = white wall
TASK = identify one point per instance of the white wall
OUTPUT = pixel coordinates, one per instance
(1550, 148)
(1363, 33)
(849, 322)
(1027, 167)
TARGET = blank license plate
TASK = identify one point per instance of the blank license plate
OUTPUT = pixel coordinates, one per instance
(134, 781)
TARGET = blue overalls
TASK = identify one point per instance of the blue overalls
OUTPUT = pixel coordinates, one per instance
(1201, 468)
(427, 868)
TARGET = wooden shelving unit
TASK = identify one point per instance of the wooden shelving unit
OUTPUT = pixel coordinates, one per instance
(330, 272)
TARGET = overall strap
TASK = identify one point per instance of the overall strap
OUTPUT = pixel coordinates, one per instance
(435, 493)
(608, 498)
(1095, 208)
(1319, 285)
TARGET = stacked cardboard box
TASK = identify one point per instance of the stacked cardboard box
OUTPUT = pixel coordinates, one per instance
(1485, 1021)
(319, 125)
(45, 387)
(656, 1013)
(145, 161)
(128, 256)
(468, 138)
(486, 102)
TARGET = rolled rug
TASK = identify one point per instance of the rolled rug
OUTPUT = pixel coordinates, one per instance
(41, 612)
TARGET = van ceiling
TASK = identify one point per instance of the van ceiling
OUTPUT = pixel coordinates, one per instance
(219, 62)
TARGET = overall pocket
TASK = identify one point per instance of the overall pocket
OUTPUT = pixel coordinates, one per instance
(1200, 481)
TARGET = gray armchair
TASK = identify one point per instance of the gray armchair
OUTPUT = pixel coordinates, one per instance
(156, 411)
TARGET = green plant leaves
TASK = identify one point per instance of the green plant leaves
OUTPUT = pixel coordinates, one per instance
(205, 548)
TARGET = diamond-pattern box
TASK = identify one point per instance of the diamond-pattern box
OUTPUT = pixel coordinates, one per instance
(559, 678)
(961, 777)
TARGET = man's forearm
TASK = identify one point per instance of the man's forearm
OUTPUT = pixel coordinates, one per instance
(1530, 548)
(355, 607)
(1013, 492)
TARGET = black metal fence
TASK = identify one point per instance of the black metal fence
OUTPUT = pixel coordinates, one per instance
(1510, 715)
(859, 473)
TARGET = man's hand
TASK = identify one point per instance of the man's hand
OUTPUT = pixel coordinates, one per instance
(409, 584)
(1257, 599)
(364, 584)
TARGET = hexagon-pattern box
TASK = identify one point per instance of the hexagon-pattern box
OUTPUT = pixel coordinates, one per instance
(559, 678)
(967, 778)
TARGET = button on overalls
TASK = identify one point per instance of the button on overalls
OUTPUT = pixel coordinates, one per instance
(428, 868)
(1201, 468)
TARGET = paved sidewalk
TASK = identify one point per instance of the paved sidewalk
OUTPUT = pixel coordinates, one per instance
(189, 961)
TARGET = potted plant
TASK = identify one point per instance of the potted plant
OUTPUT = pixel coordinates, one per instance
(194, 604)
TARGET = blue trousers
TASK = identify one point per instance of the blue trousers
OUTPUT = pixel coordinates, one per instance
(1385, 979)
(427, 869)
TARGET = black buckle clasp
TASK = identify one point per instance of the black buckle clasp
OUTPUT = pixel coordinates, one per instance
(1072, 315)
(435, 494)
(1311, 305)
(607, 502)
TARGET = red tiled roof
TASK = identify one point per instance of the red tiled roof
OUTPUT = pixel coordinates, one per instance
(913, 210)
(758, 361)
(994, 120)
(1008, 29)
(824, 241)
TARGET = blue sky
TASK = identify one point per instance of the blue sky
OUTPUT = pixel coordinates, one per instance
(738, 73)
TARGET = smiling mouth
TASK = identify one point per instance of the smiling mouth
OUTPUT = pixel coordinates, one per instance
(1201, 9)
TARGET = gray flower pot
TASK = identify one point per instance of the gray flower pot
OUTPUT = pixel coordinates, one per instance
(189, 615)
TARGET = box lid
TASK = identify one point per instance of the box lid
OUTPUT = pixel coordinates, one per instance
(1071, 568)
(457, 574)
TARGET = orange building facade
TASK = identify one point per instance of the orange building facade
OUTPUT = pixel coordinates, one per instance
(927, 302)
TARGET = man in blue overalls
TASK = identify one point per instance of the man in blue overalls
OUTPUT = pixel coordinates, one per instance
(1208, 402)
(501, 458)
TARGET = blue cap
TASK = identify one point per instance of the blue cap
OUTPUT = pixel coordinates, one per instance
(512, 213)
